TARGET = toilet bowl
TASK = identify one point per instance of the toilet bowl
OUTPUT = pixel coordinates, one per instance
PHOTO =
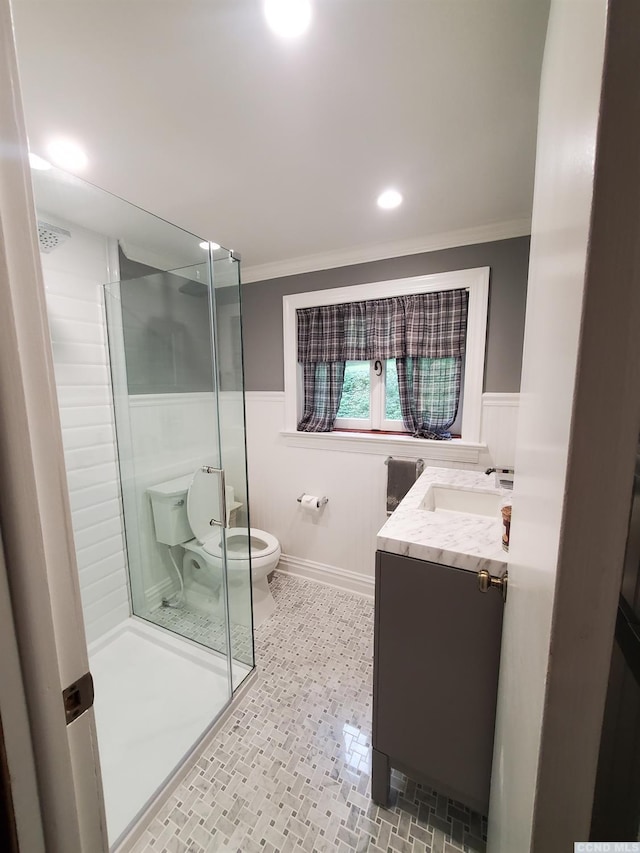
(183, 509)
(203, 563)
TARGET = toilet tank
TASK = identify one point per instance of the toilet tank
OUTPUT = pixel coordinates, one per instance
(169, 505)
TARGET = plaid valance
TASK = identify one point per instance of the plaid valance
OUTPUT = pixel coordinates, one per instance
(423, 325)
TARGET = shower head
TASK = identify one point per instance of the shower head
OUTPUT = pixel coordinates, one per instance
(50, 236)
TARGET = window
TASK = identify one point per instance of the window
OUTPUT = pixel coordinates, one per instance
(370, 398)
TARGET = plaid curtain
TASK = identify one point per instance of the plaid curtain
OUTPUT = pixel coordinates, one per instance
(424, 325)
(322, 391)
(429, 394)
(425, 331)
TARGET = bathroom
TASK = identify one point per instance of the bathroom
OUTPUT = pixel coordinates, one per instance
(140, 410)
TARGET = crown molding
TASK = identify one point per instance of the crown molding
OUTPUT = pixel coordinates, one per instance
(383, 251)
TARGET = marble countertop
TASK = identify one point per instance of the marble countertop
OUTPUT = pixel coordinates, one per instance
(463, 540)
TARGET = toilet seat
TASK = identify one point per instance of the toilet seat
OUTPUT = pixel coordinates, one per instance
(262, 544)
(203, 504)
(203, 500)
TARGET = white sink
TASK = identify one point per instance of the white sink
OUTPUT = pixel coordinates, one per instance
(450, 499)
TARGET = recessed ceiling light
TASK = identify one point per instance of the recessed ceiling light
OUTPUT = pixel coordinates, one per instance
(389, 199)
(206, 246)
(38, 162)
(68, 155)
(288, 18)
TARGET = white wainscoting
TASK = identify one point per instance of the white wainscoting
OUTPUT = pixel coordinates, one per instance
(499, 427)
(337, 546)
(168, 435)
(73, 275)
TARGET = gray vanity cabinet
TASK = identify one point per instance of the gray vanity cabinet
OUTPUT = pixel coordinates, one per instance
(436, 657)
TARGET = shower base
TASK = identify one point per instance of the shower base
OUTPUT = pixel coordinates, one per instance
(155, 696)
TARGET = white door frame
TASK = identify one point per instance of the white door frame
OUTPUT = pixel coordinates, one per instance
(578, 430)
(15, 729)
(35, 518)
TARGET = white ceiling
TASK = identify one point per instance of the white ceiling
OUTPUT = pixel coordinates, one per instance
(199, 113)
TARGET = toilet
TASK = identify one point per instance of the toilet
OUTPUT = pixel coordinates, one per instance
(182, 512)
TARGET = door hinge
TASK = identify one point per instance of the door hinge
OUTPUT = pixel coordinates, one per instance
(78, 697)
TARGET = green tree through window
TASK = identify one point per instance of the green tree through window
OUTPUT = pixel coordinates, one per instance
(356, 391)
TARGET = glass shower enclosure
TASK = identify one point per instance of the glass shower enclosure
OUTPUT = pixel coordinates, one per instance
(176, 367)
(146, 332)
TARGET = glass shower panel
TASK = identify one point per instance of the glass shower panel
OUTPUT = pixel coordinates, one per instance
(226, 318)
(155, 589)
(168, 432)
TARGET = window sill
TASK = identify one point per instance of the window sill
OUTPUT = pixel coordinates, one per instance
(455, 450)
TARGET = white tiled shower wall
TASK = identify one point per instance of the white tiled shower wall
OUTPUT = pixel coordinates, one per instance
(73, 274)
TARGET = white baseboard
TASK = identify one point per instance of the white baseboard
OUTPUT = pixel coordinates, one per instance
(328, 575)
(288, 565)
(154, 594)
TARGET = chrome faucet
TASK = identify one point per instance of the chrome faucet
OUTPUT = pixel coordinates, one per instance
(506, 483)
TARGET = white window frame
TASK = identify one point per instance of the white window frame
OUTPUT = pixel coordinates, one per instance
(377, 405)
(475, 281)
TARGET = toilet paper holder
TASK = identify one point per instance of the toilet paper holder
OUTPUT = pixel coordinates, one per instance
(321, 501)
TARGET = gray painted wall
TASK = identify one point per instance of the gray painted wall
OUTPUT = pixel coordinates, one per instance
(167, 338)
(508, 259)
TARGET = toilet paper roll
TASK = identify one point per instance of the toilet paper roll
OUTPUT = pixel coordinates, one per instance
(309, 503)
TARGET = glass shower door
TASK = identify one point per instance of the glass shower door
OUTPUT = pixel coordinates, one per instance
(168, 426)
(176, 353)
(226, 319)
(167, 429)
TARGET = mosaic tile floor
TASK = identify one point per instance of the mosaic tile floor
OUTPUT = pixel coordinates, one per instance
(206, 629)
(289, 769)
